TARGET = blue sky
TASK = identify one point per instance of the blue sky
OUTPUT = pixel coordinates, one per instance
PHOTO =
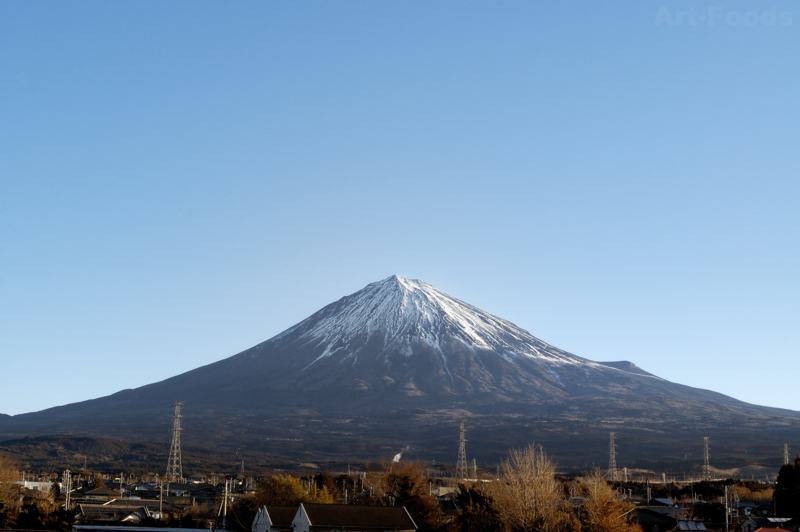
(180, 181)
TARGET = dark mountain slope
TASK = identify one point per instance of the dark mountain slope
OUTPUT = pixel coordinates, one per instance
(400, 361)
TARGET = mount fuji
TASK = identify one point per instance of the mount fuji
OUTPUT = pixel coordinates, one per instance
(397, 364)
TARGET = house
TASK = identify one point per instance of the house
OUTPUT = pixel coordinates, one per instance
(651, 520)
(274, 519)
(334, 518)
(102, 494)
(688, 524)
(96, 513)
(744, 509)
(754, 523)
(340, 518)
(664, 506)
(156, 509)
(105, 527)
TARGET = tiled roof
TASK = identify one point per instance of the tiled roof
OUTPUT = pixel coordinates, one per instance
(150, 504)
(644, 516)
(335, 515)
(281, 515)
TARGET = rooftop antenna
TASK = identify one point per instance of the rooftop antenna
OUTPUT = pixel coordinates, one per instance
(785, 453)
(174, 467)
(612, 459)
(706, 465)
(461, 465)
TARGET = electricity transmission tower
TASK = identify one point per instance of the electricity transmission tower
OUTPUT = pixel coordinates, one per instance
(612, 460)
(174, 467)
(461, 465)
(706, 465)
(785, 453)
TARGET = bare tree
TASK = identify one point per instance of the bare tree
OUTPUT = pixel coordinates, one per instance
(532, 498)
(9, 489)
(603, 511)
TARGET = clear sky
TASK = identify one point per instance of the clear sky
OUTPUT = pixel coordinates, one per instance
(180, 181)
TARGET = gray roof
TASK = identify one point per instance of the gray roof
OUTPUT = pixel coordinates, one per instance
(150, 504)
(281, 515)
(767, 521)
(376, 517)
(99, 512)
(691, 525)
(645, 516)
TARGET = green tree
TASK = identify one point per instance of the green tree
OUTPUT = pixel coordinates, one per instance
(789, 476)
(786, 496)
(479, 511)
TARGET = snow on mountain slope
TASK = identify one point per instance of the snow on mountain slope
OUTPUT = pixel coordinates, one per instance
(407, 312)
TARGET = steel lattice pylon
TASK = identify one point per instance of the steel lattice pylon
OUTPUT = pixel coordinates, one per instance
(461, 465)
(706, 464)
(612, 460)
(174, 467)
(785, 453)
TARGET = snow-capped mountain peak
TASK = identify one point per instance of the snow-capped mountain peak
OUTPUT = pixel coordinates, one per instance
(408, 313)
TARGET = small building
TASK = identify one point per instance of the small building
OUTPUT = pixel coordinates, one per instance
(754, 523)
(652, 521)
(99, 513)
(105, 528)
(664, 506)
(274, 519)
(340, 518)
(691, 524)
(102, 494)
(744, 509)
(333, 518)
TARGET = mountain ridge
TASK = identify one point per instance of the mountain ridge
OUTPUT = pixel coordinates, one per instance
(402, 360)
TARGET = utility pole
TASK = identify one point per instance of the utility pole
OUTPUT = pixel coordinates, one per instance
(225, 506)
(67, 488)
(727, 511)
